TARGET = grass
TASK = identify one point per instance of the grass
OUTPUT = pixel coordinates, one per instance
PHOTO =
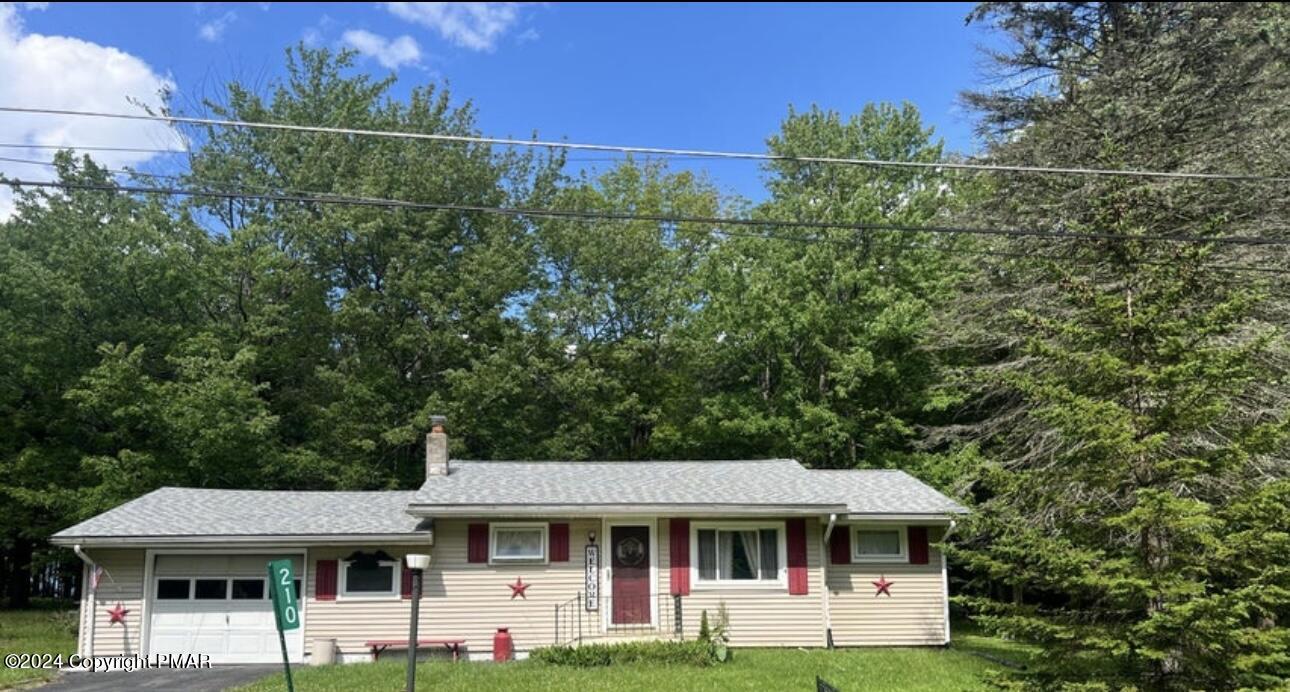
(961, 667)
(49, 627)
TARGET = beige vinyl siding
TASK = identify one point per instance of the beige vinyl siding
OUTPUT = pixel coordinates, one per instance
(462, 600)
(122, 582)
(913, 615)
(758, 617)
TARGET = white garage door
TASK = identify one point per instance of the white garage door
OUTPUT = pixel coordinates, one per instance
(217, 605)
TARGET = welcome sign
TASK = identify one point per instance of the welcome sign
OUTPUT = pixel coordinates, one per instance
(592, 576)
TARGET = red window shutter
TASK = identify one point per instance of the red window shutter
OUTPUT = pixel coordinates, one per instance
(406, 590)
(840, 545)
(797, 575)
(679, 551)
(918, 545)
(559, 543)
(477, 543)
(325, 580)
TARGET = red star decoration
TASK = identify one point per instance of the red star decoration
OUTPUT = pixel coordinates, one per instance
(884, 586)
(117, 614)
(518, 588)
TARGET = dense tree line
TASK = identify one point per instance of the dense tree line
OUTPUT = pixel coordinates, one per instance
(1114, 411)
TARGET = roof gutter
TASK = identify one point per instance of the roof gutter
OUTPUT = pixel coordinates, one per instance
(936, 519)
(421, 538)
(600, 510)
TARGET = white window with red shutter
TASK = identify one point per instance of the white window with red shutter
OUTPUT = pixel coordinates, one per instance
(738, 554)
(879, 544)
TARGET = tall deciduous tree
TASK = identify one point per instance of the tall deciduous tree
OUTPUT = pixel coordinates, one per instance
(814, 344)
(1135, 429)
(79, 272)
(361, 313)
(600, 372)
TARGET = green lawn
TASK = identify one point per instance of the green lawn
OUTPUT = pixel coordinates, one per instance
(964, 666)
(760, 670)
(48, 628)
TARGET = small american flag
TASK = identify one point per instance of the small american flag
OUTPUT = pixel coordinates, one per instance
(95, 576)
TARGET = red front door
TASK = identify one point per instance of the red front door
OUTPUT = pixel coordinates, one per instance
(629, 556)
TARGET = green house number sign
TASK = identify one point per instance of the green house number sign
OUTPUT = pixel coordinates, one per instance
(286, 608)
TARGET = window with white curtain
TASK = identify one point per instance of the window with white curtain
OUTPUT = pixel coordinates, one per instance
(739, 553)
(878, 544)
(518, 542)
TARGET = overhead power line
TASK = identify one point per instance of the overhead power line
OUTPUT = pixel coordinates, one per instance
(343, 200)
(135, 150)
(120, 171)
(583, 216)
(659, 151)
(147, 150)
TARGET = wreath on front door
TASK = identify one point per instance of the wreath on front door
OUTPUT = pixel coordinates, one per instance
(630, 552)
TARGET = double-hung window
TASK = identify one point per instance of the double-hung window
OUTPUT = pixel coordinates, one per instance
(518, 543)
(739, 553)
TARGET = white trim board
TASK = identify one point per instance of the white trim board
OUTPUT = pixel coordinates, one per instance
(214, 542)
(618, 511)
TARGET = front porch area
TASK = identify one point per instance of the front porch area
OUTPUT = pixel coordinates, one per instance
(590, 618)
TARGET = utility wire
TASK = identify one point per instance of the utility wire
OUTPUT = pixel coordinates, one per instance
(344, 200)
(587, 216)
(138, 150)
(119, 171)
(145, 150)
(658, 151)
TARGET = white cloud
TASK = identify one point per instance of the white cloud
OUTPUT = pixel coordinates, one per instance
(473, 25)
(69, 73)
(390, 53)
(315, 35)
(213, 30)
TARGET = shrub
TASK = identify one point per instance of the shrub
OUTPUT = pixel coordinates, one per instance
(717, 636)
(693, 653)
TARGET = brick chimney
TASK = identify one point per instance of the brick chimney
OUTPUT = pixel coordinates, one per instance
(437, 448)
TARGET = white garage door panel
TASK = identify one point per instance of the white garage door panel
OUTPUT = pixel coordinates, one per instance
(227, 630)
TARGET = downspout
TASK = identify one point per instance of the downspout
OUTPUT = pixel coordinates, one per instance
(824, 570)
(945, 580)
(91, 593)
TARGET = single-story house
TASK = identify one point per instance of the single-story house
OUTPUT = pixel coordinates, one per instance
(556, 551)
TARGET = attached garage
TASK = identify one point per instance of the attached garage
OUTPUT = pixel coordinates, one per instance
(218, 605)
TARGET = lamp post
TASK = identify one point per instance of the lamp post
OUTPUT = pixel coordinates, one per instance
(418, 564)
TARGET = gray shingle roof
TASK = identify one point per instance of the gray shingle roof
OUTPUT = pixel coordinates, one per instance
(772, 482)
(885, 492)
(198, 512)
(744, 483)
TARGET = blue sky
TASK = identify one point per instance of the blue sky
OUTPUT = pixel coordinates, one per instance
(695, 76)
